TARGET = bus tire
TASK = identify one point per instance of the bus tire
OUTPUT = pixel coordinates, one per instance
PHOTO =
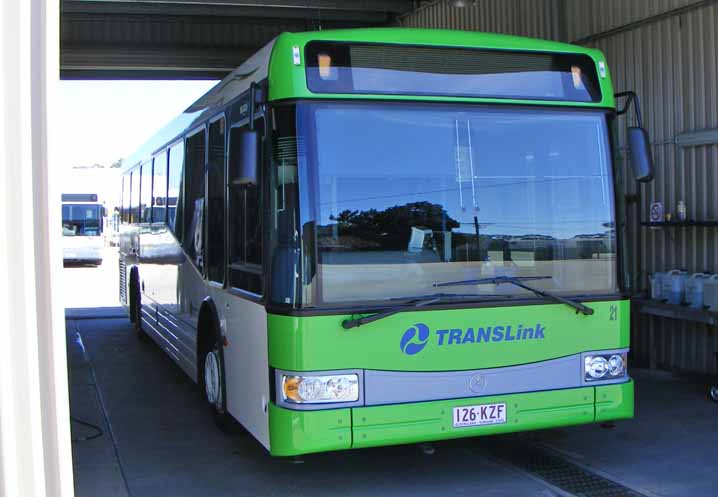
(211, 373)
(713, 393)
(136, 306)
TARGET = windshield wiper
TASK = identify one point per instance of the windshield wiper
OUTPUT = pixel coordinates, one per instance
(413, 303)
(516, 280)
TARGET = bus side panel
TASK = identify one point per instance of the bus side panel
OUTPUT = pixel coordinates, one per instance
(160, 259)
(126, 257)
(163, 279)
(244, 324)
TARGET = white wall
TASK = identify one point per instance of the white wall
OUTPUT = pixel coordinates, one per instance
(35, 455)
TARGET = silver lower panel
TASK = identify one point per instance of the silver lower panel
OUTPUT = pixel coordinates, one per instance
(393, 387)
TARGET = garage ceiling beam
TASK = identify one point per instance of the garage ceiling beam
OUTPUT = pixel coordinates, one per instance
(395, 6)
(104, 39)
(370, 11)
(132, 62)
(71, 7)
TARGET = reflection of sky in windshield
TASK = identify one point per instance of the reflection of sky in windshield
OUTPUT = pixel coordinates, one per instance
(534, 172)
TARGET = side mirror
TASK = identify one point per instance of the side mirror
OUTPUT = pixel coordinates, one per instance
(243, 156)
(641, 158)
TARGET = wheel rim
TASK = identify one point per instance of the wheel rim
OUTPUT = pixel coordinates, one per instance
(212, 378)
(714, 392)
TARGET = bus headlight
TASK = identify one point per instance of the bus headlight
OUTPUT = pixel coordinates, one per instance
(616, 365)
(320, 389)
(609, 366)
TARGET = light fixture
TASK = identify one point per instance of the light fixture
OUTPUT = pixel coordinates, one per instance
(605, 366)
(320, 389)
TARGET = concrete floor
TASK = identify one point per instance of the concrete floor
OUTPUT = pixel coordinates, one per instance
(168, 445)
(159, 440)
(670, 448)
(102, 282)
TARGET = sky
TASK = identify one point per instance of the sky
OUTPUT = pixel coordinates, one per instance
(100, 122)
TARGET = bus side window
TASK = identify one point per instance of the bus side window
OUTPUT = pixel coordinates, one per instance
(133, 216)
(284, 249)
(146, 193)
(245, 215)
(215, 202)
(125, 198)
(159, 188)
(174, 189)
(194, 198)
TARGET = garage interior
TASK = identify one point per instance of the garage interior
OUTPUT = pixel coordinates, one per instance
(156, 438)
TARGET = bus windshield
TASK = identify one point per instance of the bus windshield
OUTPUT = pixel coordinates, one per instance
(81, 220)
(409, 195)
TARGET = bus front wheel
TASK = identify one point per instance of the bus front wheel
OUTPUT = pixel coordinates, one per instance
(213, 384)
(713, 393)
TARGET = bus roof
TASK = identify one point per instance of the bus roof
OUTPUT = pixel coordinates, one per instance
(287, 79)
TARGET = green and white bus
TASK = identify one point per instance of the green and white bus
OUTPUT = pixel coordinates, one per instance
(386, 236)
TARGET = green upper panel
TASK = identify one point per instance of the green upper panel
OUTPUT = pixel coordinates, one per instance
(287, 80)
(458, 339)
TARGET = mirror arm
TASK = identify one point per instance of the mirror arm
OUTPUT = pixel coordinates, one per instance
(631, 98)
(252, 96)
(256, 97)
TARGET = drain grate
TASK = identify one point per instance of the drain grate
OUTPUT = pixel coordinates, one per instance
(559, 472)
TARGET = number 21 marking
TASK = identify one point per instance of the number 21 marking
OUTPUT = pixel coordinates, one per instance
(613, 312)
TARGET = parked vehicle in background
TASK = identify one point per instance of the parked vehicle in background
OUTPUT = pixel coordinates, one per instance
(82, 228)
(384, 236)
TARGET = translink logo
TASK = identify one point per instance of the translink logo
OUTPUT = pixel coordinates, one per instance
(416, 338)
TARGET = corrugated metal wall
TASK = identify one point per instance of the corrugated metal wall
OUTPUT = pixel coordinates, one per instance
(672, 64)
(588, 17)
(665, 50)
(536, 18)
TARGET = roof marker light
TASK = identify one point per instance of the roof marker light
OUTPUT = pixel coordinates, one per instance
(326, 71)
(602, 68)
(296, 57)
(577, 76)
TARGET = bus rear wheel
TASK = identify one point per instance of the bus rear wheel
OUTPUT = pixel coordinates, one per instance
(136, 309)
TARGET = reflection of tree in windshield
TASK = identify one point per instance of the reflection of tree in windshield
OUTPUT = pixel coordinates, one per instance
(391, 230)
(388, 229)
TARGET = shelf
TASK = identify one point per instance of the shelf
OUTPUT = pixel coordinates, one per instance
(681, 224)
(672, 311)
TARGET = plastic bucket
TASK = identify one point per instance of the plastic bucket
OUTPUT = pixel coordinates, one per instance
(657, 285)
(674, 286)
(694, 289)
(710, 292)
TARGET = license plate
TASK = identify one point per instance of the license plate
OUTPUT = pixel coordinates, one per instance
(487, 414)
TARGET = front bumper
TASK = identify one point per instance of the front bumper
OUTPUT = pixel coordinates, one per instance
(301, 432)
(82, 254)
